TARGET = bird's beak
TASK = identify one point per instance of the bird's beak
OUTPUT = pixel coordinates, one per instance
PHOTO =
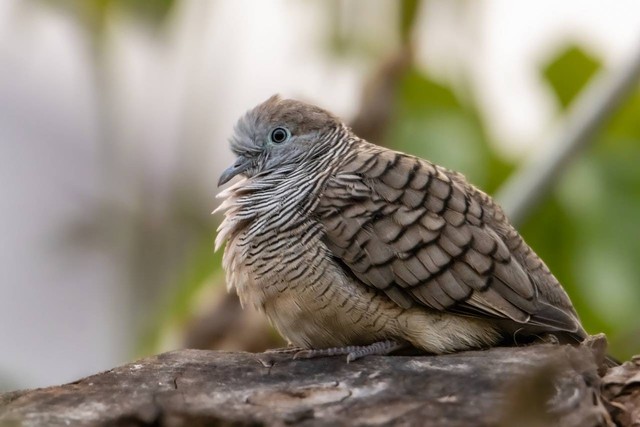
(241, 165)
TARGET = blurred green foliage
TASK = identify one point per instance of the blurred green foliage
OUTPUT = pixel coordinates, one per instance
(431, 121)
(93, 13)
(202, 268)
(587, 229)
(408, 15)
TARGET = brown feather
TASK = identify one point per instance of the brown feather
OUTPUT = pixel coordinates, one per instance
(438, 238)
(341, 242)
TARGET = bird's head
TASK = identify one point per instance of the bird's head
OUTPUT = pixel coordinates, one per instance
(278, 136)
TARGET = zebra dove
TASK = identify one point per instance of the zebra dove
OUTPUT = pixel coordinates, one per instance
(351, 248)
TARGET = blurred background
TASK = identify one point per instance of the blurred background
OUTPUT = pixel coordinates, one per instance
(114, 119)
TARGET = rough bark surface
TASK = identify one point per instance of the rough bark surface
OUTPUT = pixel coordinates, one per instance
(538, 385)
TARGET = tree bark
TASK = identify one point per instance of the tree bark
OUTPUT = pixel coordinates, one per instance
(538, 385)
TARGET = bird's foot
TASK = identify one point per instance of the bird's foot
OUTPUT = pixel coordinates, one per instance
(274, 355)
(353, 352)
(285, 350)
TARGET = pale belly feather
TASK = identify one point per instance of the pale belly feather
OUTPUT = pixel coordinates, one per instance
(332, 309)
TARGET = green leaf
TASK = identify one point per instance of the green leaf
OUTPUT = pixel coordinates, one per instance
(569, 72)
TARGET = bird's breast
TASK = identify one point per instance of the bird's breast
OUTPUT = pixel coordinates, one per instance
(264, 265)
(291, 277)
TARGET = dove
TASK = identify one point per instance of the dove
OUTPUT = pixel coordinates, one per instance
(350, 248)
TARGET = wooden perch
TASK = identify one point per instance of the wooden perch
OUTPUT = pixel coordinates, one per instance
(538, 385)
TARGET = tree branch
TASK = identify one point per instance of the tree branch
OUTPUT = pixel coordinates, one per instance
(532, 386)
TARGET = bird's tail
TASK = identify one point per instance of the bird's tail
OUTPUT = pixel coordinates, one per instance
(598, 345)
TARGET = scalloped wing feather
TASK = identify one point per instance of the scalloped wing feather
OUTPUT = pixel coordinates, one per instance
(424, 236)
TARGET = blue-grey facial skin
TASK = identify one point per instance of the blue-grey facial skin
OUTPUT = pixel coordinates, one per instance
(306, 131)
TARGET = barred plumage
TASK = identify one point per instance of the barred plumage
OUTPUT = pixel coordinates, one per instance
(342, 242)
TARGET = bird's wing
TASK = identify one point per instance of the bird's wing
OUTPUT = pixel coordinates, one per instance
(422, 235)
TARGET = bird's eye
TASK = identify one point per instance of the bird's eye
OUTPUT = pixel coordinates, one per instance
(279, 135)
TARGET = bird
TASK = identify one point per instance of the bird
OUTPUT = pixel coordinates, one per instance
(350, 248)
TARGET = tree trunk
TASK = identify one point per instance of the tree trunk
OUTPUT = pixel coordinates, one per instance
(539, 385)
